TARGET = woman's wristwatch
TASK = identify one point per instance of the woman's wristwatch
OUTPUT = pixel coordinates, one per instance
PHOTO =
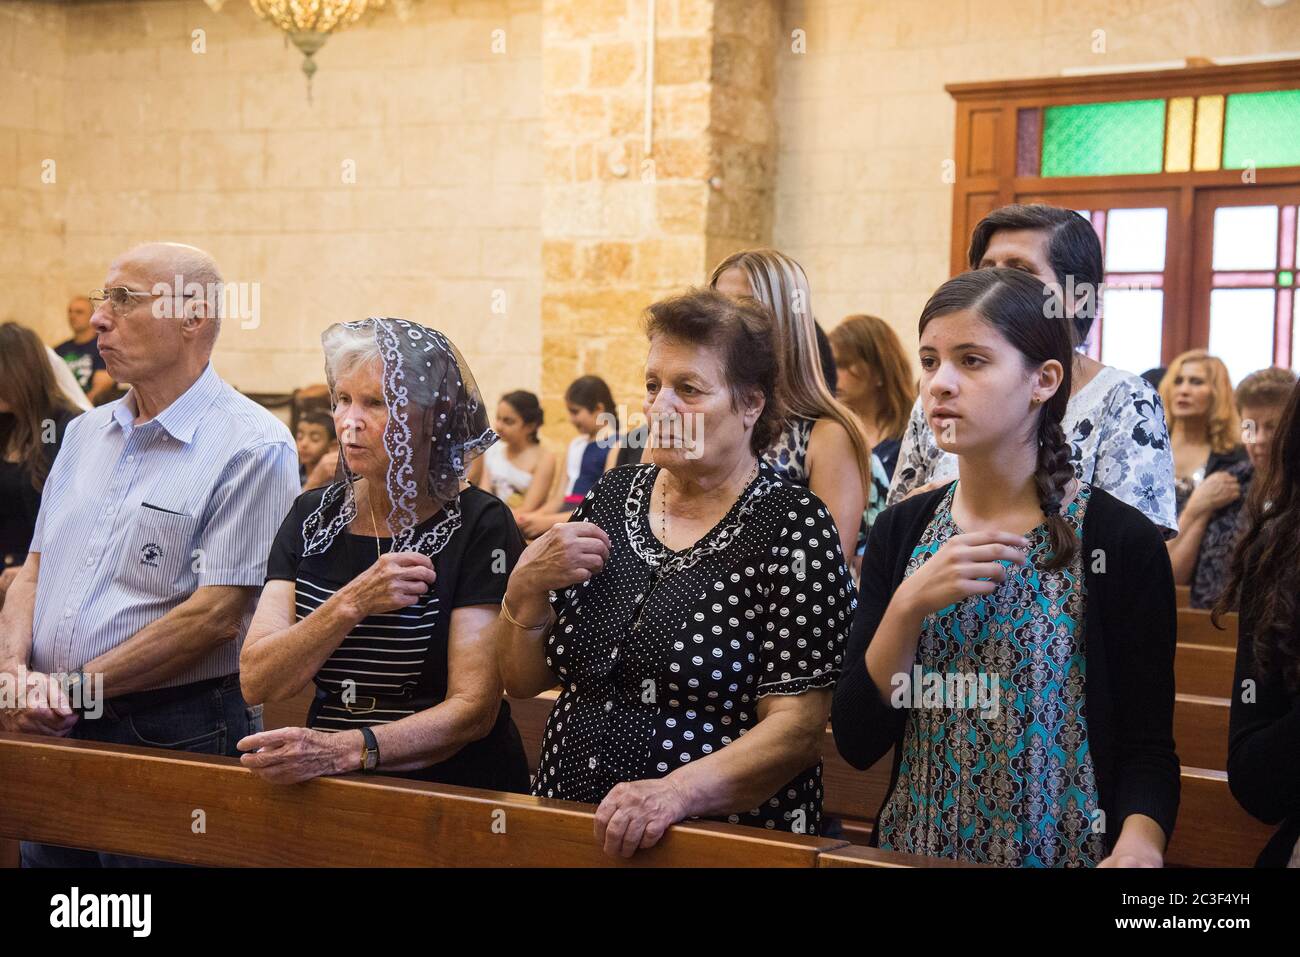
(369, 751)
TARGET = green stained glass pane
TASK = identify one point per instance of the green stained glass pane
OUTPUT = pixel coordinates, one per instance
(1262, 129)
(1104, 139)
(1285, 278)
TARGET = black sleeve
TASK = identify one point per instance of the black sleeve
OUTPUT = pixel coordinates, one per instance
(1146, 765)
(864, 726)
(585, 512)
(489, 557)
(1263, 739)
(286, 548)
(826, 356)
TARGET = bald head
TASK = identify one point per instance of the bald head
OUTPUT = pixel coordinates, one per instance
(198, 275)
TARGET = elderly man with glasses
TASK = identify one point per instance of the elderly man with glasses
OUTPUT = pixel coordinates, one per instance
(126, 622)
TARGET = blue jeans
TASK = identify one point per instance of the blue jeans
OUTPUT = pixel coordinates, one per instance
(211, 721)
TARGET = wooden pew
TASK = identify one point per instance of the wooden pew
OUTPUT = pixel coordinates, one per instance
(1212, 829)
(144, 802)
(288, 714)
(1195, 628)
(1201, 731)
(854, 856)
(1204, 670)
(1184, 595)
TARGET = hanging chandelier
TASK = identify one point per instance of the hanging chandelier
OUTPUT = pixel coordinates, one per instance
(309, 23)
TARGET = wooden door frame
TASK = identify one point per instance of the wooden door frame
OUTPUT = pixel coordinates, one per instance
(1207, 201)
(986, 173)
(1176, 286)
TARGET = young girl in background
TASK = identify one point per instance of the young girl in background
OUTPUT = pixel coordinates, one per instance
(1042, 607)
(518, 469)
(318, 449)
(591, 411)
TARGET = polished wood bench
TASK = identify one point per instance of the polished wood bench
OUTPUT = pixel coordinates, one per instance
(855, 856)
(1204, 670)
(1196, 628)
(145, 801)
(1200, 730)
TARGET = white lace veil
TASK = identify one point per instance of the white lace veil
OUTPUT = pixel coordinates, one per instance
(437, 426)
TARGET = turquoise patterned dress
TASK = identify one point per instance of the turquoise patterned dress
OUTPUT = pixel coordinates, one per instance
(995, 765)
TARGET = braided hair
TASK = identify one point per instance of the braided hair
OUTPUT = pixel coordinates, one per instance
(1021, 309)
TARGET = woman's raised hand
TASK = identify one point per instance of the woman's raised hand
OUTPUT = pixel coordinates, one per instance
(564, 555)
(1217, 490)
(396, 580)
(965, 565)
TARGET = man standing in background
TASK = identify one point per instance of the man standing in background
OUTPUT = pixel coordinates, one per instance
(81, 353)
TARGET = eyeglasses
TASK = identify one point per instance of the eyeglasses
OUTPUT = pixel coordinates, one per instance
(119, 298)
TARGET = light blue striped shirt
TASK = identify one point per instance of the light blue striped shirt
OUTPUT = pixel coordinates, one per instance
(134, 518)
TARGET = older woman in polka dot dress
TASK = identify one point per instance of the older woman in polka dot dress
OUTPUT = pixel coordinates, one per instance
(693, 610)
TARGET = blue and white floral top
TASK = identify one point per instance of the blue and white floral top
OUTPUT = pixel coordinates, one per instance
(1118, 439)
(995, 765)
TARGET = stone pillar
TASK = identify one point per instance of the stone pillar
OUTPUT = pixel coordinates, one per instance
(622, 227)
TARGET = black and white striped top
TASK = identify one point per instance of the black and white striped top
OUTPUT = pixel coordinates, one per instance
(393, 665)
(383, 657)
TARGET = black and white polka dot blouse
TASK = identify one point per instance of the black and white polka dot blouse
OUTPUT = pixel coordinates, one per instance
(662, 657)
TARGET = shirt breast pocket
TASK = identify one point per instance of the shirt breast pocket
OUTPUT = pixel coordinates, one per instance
(158, 552)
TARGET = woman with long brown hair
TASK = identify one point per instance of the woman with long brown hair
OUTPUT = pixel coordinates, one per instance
(822, 446)
(1203, 426)
(1264, 724)
(875, 381)
(34, 411)
(1025, 690)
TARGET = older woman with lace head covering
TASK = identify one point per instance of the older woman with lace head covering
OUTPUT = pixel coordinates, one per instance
(382, 586)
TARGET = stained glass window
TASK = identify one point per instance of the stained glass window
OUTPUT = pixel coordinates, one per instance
(1262, 129)
(1209, 133)
(1101, 139)
(1135, 240)
(1241, 329)
(1028, 132)
(1254, 262)
(1131, 332)
(1245, 237)
(1295, 339)
(1178, 135)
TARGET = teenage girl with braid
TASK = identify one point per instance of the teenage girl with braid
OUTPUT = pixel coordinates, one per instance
(1014, 639)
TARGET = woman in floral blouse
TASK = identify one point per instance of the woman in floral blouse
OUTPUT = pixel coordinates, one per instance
(1114, 421)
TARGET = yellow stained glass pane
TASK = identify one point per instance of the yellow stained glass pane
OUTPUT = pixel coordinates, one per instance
(1178, 134)
(1209, 133)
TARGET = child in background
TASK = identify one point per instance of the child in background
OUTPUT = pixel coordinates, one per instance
(318, 449)
(518, 469)
(592, 413)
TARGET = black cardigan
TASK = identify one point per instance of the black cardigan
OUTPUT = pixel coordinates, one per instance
(1130, 627)
(1264, 749)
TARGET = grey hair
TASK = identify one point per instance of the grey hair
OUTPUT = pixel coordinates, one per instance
(347, 347)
